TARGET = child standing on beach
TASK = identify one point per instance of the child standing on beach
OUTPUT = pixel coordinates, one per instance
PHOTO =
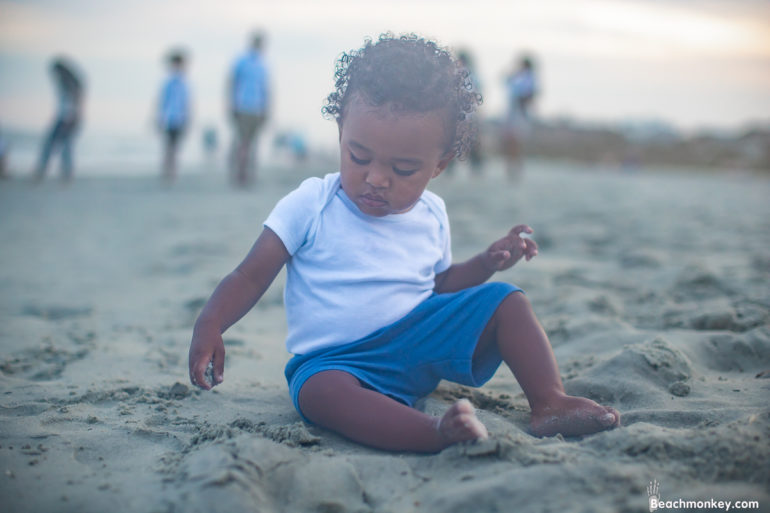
(173, 113)
(378, 314)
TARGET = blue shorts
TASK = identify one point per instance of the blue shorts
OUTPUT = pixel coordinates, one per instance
(407, 359)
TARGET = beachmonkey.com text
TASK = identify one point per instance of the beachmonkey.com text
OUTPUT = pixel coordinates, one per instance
(687, 504)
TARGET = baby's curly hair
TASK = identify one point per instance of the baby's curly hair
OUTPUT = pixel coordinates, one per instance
(413, 75)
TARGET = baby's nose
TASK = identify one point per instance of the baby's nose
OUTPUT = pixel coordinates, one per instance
(377, 176)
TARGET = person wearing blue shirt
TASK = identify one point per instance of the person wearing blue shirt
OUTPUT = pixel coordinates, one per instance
(249, 98)
(173, 113)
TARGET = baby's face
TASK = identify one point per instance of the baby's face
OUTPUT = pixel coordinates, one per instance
(388, 158)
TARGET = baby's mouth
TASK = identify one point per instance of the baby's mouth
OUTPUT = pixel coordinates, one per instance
(373, 200)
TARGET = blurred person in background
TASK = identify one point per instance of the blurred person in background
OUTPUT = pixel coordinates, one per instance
(210, 142)
(293, 144)
(3, 156)
(248, 103)
(69, 113)
(173, 117)
(521, 89)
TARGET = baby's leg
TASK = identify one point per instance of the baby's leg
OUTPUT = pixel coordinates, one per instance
(337, 401)
(525, 348)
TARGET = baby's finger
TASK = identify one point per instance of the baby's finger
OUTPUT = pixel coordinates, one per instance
(531, 249)
(198, 374)
(520, 228)
(499, 257)
(219, 364)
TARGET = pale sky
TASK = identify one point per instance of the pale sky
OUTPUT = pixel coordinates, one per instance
(692, 63)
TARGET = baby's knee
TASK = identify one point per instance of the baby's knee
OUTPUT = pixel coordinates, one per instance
(323, 386)
(319, 399)
(514, 302)
(515, 308)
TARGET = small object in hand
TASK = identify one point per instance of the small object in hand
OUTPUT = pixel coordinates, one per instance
(209, 374)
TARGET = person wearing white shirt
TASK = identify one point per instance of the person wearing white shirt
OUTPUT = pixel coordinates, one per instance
(521, 90)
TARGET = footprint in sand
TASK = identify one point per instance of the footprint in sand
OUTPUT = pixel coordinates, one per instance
(41, 364)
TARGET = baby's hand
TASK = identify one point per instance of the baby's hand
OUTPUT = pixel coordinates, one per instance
(502, 254)
(207, 358)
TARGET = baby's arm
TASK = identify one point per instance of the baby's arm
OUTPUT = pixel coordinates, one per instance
(501, 255)
(235, 295)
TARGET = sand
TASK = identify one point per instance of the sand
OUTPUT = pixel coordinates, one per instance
(654, 287)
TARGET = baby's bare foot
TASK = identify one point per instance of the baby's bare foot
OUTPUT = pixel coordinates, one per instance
(573, 416)
(460, 423)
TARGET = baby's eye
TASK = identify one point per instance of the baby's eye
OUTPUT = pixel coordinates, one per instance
(404, 172)
(360, 162)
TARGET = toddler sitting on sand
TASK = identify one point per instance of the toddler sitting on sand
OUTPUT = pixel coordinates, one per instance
(378, 314)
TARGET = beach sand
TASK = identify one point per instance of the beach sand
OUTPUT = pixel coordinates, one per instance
(654, 287)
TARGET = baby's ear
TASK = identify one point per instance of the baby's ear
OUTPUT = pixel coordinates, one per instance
(443, 163)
